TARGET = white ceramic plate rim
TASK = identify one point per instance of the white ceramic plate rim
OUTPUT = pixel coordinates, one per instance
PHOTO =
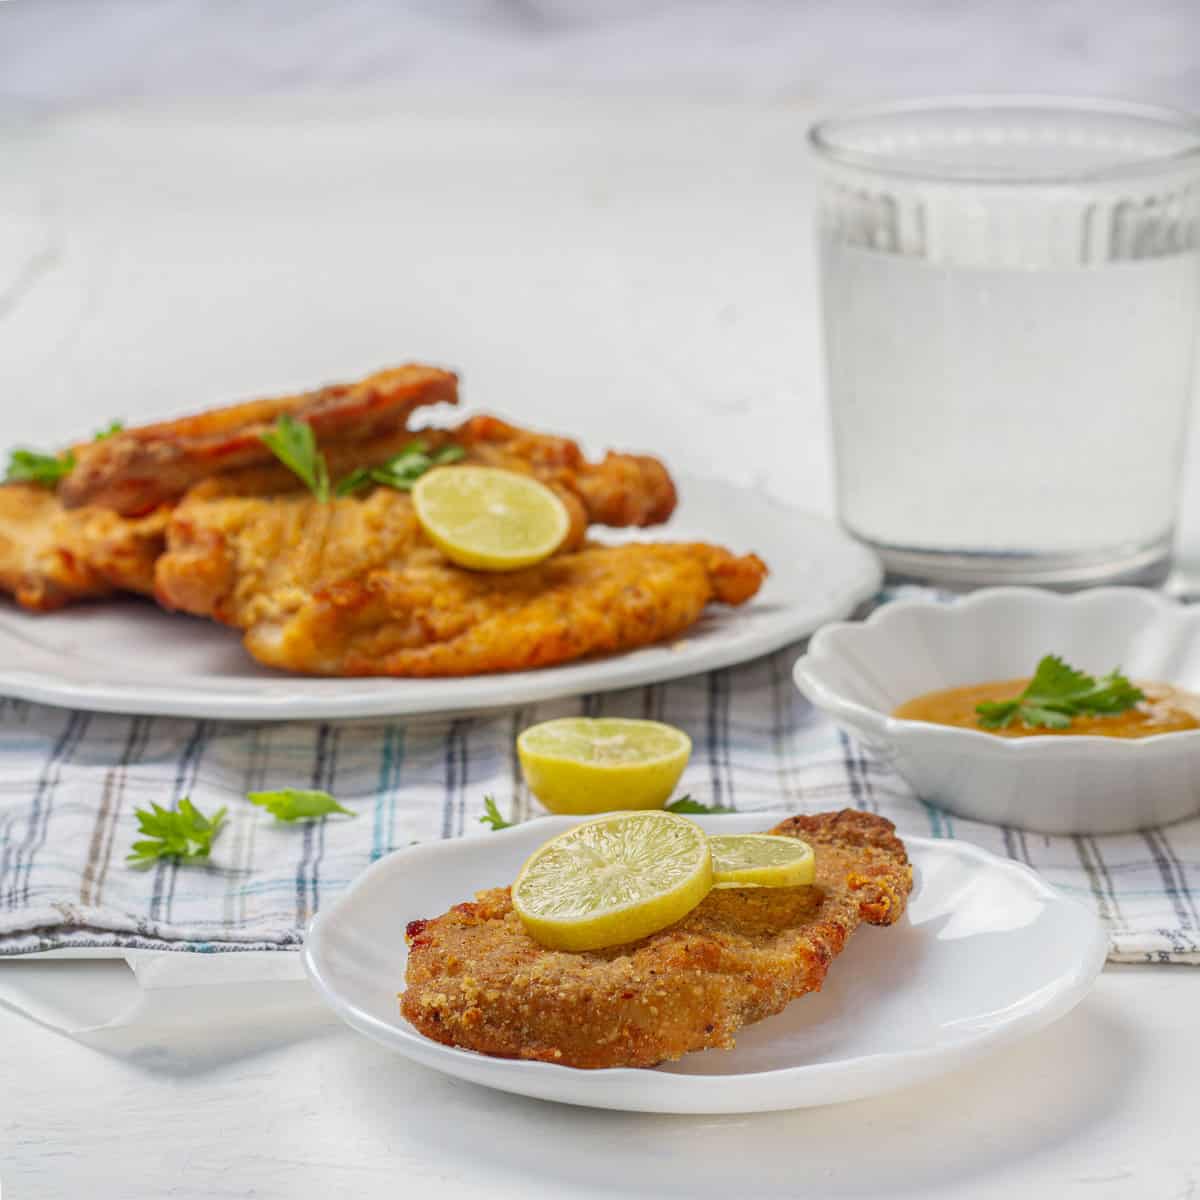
(301, 697)
(825, 695)
(654, 1091)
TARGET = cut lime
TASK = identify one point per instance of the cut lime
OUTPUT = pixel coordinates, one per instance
(581, 765)
(489, 519)
(761, 860)
(613, 880)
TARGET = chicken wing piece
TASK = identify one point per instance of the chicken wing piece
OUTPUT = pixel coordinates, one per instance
(476, 979)
(135, 470)
(50, 556)
(353, 587)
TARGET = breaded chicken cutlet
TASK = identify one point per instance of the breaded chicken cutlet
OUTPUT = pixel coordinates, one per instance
(477, 980)
(101, 531)
(199, 513)
(135, 470)
(51, 556)
(354, 587)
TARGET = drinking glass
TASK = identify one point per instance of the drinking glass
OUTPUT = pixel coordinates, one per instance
(1010, 294)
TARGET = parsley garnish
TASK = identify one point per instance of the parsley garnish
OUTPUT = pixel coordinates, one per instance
(109, 429)
(491, 815)
(400, 471)
(1056, 694)
(28, 466)
(184, 834)
(685, 804)
(293, 443)
(293, 804)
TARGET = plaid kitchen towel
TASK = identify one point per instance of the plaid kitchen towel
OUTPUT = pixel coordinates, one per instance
(70, 782)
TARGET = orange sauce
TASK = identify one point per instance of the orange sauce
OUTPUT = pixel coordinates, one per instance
(1166, 709)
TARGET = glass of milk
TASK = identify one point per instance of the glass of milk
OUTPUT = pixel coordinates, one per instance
(1010, 290)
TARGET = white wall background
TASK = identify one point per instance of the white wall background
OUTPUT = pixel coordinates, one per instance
(637, 248)
(55, 52)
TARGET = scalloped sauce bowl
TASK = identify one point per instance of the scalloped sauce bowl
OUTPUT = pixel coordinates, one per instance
(858, 673)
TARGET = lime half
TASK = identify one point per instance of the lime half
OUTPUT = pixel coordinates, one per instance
(581, 765)
(489, 519)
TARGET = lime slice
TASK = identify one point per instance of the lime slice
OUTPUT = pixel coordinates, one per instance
(613, 880)
(581, 765)
(489, 519)
(761, 860)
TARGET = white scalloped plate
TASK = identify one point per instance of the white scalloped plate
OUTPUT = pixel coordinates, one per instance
(131, 657)
(986, 954)
(857, 673)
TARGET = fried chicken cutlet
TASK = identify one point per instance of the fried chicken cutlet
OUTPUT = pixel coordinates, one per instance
(103, 529)
(619, 490)
(135, 470)
(353, 587)
(51, 556)
(360, 424)
(476, 979)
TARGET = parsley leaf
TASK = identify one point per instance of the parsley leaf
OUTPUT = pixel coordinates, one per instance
(294, 444)
(293, 804)
(358, 479)
(402, 470)
(685, 804)
(491, 815)
(109, 429)
(184, 834)
(1056, 694)
(28, 466)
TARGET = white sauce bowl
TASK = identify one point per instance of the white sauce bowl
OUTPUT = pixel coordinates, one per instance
(857, 673)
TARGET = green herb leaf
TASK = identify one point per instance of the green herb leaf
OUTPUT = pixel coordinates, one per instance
(294, 804)
(294, 444)
(358, 479)
(28, 466)
(491, 815)
(400, 471)
(184, 833)
(107, 432)
(447, 454)
(685, 804)
(997, 714)
(1056, 694)
(1047, 718)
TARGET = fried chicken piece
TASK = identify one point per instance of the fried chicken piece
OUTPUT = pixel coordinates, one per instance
(135, 470)
(353, 587)
(94, 551)
(476, 979)
(51, 556)
(620, 490)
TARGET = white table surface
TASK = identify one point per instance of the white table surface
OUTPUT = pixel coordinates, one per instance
(635, 272)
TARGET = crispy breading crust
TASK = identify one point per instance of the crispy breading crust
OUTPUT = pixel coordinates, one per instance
(137, 469)
(55, 550)
(435, 619)
(51, 556)
(477, 980)
(619, 490)
(353, 587)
